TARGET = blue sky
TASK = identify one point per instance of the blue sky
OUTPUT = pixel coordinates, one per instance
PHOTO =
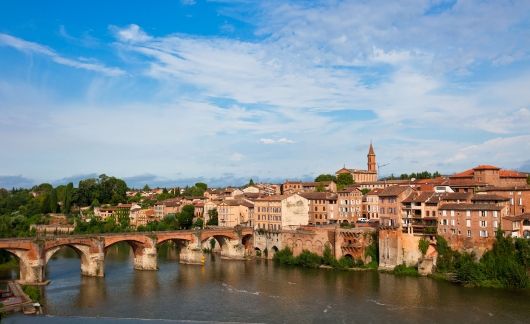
(174, 91)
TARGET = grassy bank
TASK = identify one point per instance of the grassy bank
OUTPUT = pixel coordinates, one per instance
(33, 292)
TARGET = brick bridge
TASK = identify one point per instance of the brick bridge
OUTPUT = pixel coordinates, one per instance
(34, 253)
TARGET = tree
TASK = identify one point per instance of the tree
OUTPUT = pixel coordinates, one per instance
(320, 187)
(67, 202)
(213, 217)
(528, 179)
(185, 217)
(198, 223)
(344, 179)
(364, 191)
(202, 186)
(53, 201)
(146, 188)
(326, 177)
(251, 182)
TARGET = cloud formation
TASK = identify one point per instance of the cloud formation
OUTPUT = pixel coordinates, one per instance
(282, 140)
(31, 47)
(439, 85)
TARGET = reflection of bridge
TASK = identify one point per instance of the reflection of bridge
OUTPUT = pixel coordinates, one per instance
(34, 253)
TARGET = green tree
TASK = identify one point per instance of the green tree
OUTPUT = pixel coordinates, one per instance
(67, 202)
(53, 201)
(364, 191)
(213, 217)
(185, 217)
(320, 187)
(146, 188)
(528, 179)
(198, 223)
(251, 182)
(344, 179)
(326, 177)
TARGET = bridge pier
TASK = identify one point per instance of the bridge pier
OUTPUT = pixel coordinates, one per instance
(191, 253)
(145, 258)
(93, 264)
(233, 249)
(31, 272)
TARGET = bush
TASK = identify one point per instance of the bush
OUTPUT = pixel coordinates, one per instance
(32, 292)
(285, 256)
(403, 270)
(423, 246)
(308, 259)
(505, 265)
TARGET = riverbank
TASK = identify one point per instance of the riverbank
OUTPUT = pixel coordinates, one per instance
(14, 298)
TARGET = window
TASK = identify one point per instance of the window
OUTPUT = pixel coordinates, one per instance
(483, 233)
(453, 231)
(495, 213)
(444, 213)
(468, 213)
(468, 233)
(452, 213)
(483, 223)
(468, 222)
(520, 201)
(483, 213)
(452, 222)
(495, 224)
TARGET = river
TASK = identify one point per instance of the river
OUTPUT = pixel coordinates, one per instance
(259, 292)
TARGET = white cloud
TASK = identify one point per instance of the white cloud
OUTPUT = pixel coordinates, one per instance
(188, 2)
(282, 140)
(30, 47)
(132, 33)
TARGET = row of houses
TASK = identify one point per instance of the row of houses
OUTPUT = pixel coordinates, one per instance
(467, 208)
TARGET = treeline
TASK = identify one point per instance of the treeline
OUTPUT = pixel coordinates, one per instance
(415, 175)
(506, 265)
(21, 208)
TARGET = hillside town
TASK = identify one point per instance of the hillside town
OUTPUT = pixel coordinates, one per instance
(466, 208)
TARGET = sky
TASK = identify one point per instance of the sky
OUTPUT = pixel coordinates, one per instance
(172, 92)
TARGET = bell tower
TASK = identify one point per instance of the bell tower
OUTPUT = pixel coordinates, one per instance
(372, 165)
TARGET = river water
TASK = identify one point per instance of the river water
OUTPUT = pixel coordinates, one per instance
(260, 292)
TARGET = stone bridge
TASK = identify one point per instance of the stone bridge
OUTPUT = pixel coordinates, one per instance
(34, 253)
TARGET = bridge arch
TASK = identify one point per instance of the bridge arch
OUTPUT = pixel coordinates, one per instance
(20, 256)
(142, 246)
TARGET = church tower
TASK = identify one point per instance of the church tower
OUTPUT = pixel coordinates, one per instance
(372, 165)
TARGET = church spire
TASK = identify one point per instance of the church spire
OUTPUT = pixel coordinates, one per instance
(372, 165)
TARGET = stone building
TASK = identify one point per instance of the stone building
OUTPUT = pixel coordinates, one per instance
(492, 176)
(323, 207)
(468, 226)
(349, 201)
(370, 205)
(268, 213)
(390, 207)
(294, 212)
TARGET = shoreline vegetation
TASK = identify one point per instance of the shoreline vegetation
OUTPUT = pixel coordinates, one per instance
(506, 265)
